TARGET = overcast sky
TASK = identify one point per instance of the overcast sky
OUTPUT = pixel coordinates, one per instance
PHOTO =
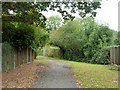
(107, 14)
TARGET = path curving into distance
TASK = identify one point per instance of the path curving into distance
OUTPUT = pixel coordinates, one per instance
(56, 75)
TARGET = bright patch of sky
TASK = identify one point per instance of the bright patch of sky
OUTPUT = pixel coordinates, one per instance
(107, 14)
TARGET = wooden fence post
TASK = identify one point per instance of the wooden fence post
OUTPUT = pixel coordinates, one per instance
(27, 55)
(112, 55)
(16, 57)
(119, 55)
(23, 55)
(0, 57)
(30, 55)
(20, 57)
(115, 55)
(14, 61)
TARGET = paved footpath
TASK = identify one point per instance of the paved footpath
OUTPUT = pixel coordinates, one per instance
(56, 75)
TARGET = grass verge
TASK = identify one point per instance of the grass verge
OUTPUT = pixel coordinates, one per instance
(41, 61)
(93, 75)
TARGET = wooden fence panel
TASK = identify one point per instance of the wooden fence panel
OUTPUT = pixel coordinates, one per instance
(28, 54)
(17, 59)
(115, 55)
(32, 54)
(25, 55)
(118, 55)
(111, 55)
(14, 57)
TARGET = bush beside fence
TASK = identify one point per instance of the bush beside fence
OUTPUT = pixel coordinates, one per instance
(53, 51)
(115, 55)
(14, 57)
(50, 51)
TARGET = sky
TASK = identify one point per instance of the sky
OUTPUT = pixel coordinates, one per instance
(107, 14)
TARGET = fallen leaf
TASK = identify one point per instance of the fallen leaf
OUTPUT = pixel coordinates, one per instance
(29, 70)
(115, 81)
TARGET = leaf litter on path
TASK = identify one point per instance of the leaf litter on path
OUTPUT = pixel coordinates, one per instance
(23, 76)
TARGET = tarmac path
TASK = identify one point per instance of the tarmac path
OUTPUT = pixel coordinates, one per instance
(56, 75)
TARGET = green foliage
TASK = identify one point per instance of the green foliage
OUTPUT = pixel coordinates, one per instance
(7, 29)
(52, 51)
(41, 37)
(116, 38)
(27, 12)
(53, 22)
(39, 51)
(41, 61)
(65, 37)
(31, 12)
(23, 35)
(82, 39)
(101, 57)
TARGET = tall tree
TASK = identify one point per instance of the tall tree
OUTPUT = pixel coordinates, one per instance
(81, 39)
(53, 22)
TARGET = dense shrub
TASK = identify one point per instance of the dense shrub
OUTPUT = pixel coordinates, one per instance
(101, 57)
(7, 31)
(20, 35)
(39, 51)
(117, 38)
(23, 35)
(41, 38)
(52, 51)
(81, 39)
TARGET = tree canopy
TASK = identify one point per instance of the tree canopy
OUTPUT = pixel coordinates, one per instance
(31, 12)
(53, 23)
(81, 39)
(22, 35)
(27, 14)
